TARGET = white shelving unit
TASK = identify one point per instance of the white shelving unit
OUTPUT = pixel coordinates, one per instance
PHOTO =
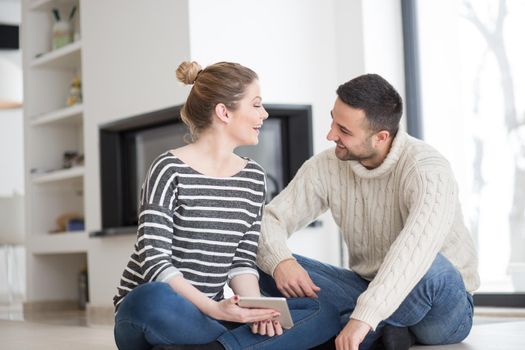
(65, 57)
(48, 5)
(68, 116)
(60, 243)
(59, 175)
(51, 129)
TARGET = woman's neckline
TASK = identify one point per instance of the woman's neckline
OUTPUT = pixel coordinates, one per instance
(247, 161)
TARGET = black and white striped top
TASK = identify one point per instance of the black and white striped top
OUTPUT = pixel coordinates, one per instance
(205, 228)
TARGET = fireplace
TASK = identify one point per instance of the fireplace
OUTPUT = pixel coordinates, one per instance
(128, 146)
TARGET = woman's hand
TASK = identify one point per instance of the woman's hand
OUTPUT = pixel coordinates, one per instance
(267, 327)
(228, 310)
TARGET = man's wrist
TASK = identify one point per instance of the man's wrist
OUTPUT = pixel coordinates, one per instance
(269, 257)
(282, 263)
(361, 322)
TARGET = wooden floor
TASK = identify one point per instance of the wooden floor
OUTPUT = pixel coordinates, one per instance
(23, 335)
(69, 330)
(492, 336)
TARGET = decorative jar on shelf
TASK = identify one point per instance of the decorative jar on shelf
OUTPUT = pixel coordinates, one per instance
(62, 34)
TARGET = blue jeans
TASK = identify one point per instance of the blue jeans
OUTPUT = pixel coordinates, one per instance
(153, 314)
(438, 310)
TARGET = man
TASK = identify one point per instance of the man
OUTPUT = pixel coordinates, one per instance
(413, 265)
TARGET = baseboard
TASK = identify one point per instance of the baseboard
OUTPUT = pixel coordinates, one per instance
(100, 315)
(50, 305)
(6, 299)
(486, 311)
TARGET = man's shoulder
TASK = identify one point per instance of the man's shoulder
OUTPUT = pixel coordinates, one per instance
(319, 167)
(421, 154)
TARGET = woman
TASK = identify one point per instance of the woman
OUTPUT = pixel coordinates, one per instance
(199, 222)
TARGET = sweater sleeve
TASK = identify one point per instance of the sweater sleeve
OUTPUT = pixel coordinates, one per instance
(155, 230)
(431, 197)
(301, 202)
(246, 252)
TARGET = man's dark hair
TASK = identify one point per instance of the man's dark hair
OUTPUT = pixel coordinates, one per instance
(379, 100)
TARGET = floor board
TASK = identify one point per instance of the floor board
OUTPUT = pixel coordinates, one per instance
(70, 330)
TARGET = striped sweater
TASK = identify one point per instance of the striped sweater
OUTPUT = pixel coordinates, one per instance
(201, 227)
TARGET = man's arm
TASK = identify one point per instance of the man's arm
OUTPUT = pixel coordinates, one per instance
(431, 196)
(301, 202)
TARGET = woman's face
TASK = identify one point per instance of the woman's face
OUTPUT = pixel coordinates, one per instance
(249, 116)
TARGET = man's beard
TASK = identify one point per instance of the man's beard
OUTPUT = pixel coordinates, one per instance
(346, 154)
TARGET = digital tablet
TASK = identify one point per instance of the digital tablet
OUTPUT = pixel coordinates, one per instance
(277, 304)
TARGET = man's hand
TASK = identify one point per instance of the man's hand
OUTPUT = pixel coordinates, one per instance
(293, 281)
(352, 335)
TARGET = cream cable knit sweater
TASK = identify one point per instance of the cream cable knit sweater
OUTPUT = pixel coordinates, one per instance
(394, 219)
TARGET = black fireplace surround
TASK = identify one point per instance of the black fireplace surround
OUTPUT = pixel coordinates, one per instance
(128, 146)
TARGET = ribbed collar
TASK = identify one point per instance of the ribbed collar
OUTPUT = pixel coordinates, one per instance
(388, 164)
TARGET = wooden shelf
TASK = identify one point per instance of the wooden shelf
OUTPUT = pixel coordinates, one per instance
(58, 243)
(59, 175)
(65, 116)
(67, 57)
(48, 5)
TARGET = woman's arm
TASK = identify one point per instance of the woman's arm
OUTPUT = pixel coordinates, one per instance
(185, 289)
(246, 285)
(226, 310)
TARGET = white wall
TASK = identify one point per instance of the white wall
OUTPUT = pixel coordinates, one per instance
(349, 39)
(12, 253)
(10, 12)
(290, 44)
(11, 121)
(383, 44)
(10, 60)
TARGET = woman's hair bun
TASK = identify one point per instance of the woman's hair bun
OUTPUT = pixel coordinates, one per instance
(188, 71)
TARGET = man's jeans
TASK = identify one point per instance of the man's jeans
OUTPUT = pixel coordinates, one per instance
(153, 314)
(437, 311)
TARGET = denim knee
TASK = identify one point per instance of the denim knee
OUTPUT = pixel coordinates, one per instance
(143, 302)
(432, 334)
(156, 313)
(442, 268)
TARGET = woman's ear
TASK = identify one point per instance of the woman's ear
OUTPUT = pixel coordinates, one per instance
(222, 113)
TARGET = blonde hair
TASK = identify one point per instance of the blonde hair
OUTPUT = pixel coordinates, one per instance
(222, 82)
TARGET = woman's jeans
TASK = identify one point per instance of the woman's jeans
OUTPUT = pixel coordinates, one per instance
(153, 314)
(437, 311)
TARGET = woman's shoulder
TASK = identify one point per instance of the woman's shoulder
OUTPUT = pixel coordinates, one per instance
(253, 167)
(166, 158)
(181, 152)
(164, 164)
(253, 173)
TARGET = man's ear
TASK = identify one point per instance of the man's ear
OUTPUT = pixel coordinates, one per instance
(222, 113)
(382, 136)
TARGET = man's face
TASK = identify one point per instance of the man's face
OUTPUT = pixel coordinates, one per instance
(350, 132)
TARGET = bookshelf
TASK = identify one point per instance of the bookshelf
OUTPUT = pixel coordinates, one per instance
(62, 58)
(53, 130)
(67, 116)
